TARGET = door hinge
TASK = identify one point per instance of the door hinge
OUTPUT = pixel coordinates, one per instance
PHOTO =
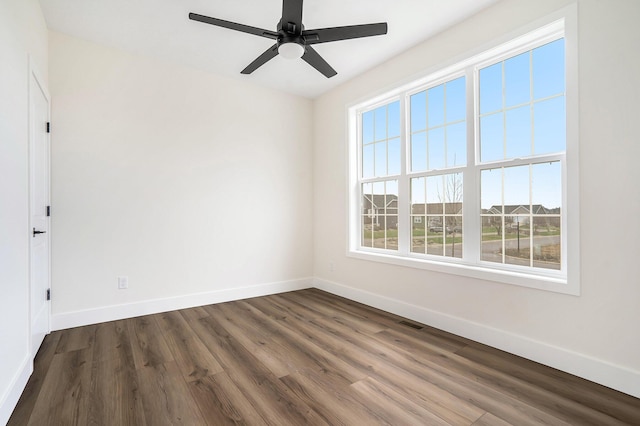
(48, 210)
(48, 127)
(48, 294)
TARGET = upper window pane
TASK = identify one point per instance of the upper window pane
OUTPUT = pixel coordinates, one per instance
(436, 148)
(456, 144)
(367, 127)
(456, 100)
(381, 123)
(393, 120)
(492, 137)
(393, 149)
(522, 105)
(550, 131)
(438, 127)
(518, 131)
(367, 161)
(517, 82)
(491, 88)
(380, 141)
(435, 107)
(548, 70)
(419, 111)
(419, 152)
(381, 158)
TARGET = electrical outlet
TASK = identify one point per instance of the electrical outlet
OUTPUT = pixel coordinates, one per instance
(123, 283)
(331, 267)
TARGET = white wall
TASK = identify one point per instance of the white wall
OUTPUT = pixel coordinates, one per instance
(594, 335)
(192, 185)
(22, 33)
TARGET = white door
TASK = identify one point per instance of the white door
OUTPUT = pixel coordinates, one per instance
(39, 234)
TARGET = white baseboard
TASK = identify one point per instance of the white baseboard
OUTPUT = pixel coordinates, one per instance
(16, 387)
(596, 370)
(154, 306)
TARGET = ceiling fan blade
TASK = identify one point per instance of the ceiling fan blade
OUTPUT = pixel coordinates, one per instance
(292, 13)
(315, 60)
(325, 35)
(234, 26)
(269, 54)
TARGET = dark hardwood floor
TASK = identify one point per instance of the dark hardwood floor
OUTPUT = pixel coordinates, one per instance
(305, 357)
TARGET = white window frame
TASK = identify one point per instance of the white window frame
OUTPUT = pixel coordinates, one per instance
(562, 24)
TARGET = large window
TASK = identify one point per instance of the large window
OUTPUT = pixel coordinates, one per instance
(465, 171)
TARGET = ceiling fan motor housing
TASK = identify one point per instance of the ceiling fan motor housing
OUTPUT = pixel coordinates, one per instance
(289, 28)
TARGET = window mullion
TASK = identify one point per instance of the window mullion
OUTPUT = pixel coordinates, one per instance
(471, 176)
(404, 222)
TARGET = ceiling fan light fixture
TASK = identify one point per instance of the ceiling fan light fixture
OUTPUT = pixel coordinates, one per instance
(291, 50)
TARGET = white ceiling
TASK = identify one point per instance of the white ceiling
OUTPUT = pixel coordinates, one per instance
(160, 28)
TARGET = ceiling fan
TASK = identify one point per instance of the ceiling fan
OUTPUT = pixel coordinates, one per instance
(293, 40)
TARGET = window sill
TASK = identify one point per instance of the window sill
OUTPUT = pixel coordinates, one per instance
(541, 282)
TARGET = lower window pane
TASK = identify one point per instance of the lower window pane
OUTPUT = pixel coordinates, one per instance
(516, 241)
(367, 232)
(491, 239)
(380, 214)
(370, 214)
(391, 233)
(434, 235)
(546, 242)
(418, 234)
(453, 238)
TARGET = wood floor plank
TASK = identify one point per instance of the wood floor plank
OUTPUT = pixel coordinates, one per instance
(275, 403)
(358, 319)
(166, 397)
(114, 391)
(192, 316)
(64, 395)
(76, 338)
(304, 357)
(337, 312)
(444, 340)
(617, 405)
(197, 312)
(490, 420)
(193, 358)
(222, 403)
(315, 400)
(347, 407)
(148, 344)
(302, 352)
(397, 408)
(254, 340)
(559, 407)
(447, 340)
